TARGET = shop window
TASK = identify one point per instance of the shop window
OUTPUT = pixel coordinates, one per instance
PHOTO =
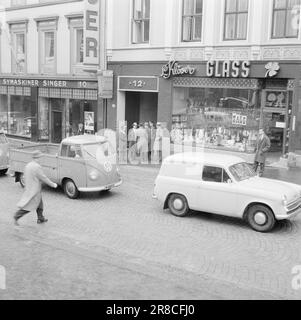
(192, 20)
(236, 19)
(223, 118)
(286, 17)
(19, 116)
(141, 21)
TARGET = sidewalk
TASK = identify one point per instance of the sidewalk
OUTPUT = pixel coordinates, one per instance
(290, 175)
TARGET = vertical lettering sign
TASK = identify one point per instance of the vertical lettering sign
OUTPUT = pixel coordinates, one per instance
(91, 34)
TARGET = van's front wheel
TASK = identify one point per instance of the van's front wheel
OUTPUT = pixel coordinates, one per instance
(70, 189)
(261, 218)
(178, 205)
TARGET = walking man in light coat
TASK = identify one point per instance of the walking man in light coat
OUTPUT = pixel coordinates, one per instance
(262, 147)
(32, 197)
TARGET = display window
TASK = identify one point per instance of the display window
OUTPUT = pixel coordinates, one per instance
(216, 117)
(15, 115)
(81, 117)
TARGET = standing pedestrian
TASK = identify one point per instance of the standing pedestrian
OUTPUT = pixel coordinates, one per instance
(142, 144)
(263, 145)
(32, 197)
(80, 130)
(132, 140)
(158, 144)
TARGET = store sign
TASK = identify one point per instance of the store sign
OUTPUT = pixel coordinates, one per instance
(91, 34)
(173, 68)
(144, 84)
(228, 69)
(105, 84)
(46, 83)
(272, 69)
(239, 119)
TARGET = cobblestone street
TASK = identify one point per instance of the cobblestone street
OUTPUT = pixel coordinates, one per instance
(122, 245)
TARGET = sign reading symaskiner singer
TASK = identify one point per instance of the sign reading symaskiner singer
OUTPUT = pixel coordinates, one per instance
(91, 34)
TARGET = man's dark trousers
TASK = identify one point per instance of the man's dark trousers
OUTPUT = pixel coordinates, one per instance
(20, 213)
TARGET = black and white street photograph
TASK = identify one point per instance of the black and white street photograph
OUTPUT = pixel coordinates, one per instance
(150, 150)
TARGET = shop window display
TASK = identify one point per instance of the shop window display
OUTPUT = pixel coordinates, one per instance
(19, 116)
(3, 114)
(216, 118)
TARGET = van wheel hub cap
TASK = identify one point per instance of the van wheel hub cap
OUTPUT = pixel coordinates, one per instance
(260, 218)
(178, 204)
(70, 188)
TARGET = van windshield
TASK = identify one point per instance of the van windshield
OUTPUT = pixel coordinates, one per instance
(98, 150)
(242, 171)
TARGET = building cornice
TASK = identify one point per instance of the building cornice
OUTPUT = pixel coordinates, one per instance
(44, 4)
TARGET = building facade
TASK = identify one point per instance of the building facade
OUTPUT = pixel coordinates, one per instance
(214, 70)
(45, 90)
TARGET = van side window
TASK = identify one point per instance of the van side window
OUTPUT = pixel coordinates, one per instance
(71, 152)
(225, 176)
(212, 174)
(64, 150)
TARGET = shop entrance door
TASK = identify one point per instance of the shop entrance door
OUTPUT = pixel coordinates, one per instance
(275, 118)
(141, 107)
(56, 127)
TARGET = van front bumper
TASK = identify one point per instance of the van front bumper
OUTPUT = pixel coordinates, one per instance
(291, 215)
(103, 188)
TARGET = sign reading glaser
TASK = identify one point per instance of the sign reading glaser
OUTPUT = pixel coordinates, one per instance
(91, 34)
(228, 69)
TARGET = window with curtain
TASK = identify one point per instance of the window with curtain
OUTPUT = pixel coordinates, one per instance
(236, 19)
(192, 20)
(286, 17)
(18, 33)
(19, 53)
(48, 51)
(79, 45)
(141, 21)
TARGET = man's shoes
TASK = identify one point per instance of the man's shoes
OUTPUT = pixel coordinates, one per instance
(42, 220)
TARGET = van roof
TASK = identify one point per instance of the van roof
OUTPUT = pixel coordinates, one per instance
(201, 157)
(84, 139)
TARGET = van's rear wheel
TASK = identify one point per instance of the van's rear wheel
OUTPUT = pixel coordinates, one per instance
(22, 180)
(70, 189)
(3, 172)
(178, 205)
(261, 218)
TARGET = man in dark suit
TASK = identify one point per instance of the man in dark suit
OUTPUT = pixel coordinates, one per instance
(263, 145)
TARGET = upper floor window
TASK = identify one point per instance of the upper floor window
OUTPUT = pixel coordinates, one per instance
(77, 43)
(18, 31)
(286, 15)
(141, 21)
(18, 2)
(192, 20)
(47, 44)
(236, 19)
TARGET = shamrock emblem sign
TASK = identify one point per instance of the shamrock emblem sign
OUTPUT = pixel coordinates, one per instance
(272, 69)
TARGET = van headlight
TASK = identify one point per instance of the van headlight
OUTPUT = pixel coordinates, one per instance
(284, 200)
(93, 175)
